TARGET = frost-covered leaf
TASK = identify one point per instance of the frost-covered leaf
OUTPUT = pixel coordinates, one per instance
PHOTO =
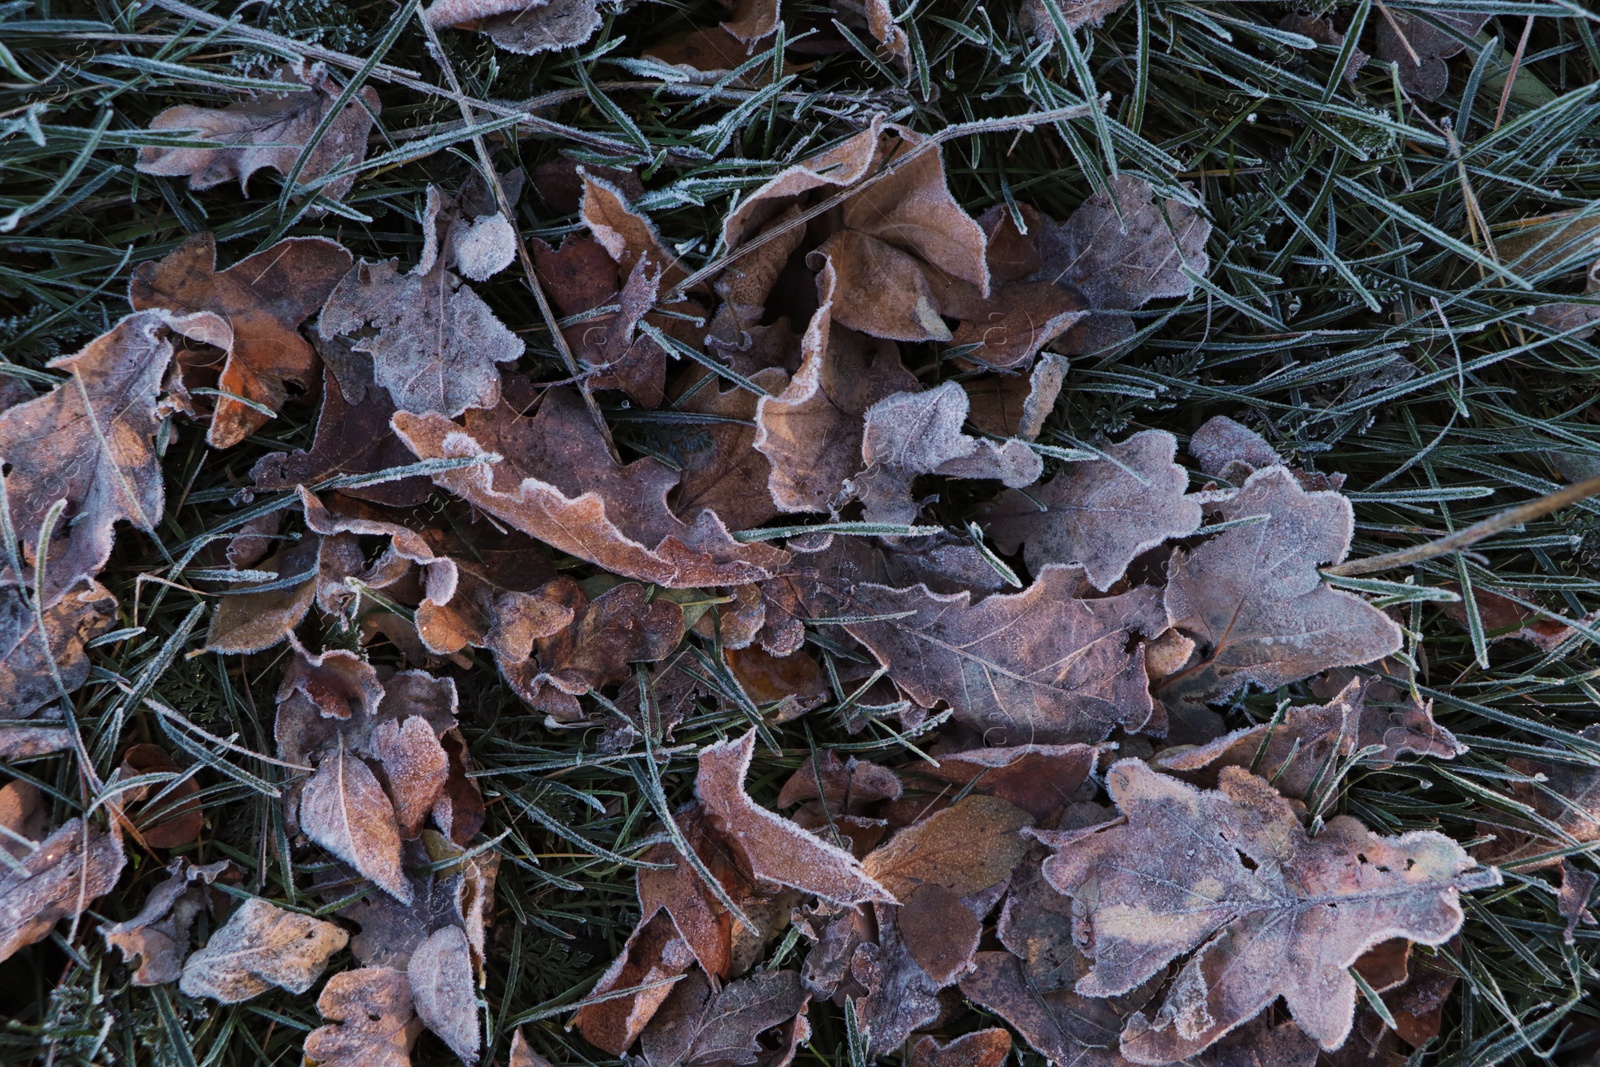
(261, 946)
(28, 650)
(56, 879)
(371, 1020)
(443, 990)
(700, 1025)
(158, 937)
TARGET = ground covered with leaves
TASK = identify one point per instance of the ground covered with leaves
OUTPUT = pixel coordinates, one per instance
(713, 536)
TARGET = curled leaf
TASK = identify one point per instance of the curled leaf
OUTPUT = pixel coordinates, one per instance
(56, 879)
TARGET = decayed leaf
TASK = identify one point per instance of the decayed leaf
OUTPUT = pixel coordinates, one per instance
(1252, 597)
(261, 946)
(55, 880)
(915, 433)
(776, 849)
(1321, 902)
(371, 1020)
(442, 988)
(1505, 619)
(1103, 513)
(963, 849)
(1061, 1025)
(981, 1048)
(27, 650)
(811, 432)
(526, 27)
(263, 299)
(247, 621)
(701, 1026)
(900, 996)
(559, 484)
(269, 130)
(1232, 451)
(158, 937)
(1035, 667)
(90, 441)
(1306, 753)
(1418, 44)
(1569, 798)
(433, 341)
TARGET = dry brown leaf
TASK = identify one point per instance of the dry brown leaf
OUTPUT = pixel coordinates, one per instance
(526, 27)
(559, 484)
(56, 879)
(158, 937)
(1253, 599)
(523, 1054)
(444, 993)
(1039, 779)
(1035, 667)
(900, 996)
(1306, 754)
(1569, 797)
(246, 621)
(261, 946)
(263, 299)
(651, 963)
(24, 820)
(1059, 1024)
(700, 1025)
(1009, 405)
(27, 651)
(1418, 44)
(1505, 619)
(433, 341)
(1248, 889)
(173, 816)
(940, 932)
(722, 470)
(1103, 513)
(269, 130)
(963, 849)
(981, 1048)
(371, 1020)
(90, 442)
(811, 432)
(915, 433)
(775, 849)
(828, 787)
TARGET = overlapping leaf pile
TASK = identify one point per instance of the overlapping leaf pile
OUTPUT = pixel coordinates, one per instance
(1086, 854)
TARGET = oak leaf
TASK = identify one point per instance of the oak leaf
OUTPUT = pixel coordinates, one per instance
(1321, 901)
(1009, 405)
(57, 878)
(90, 442)
(34, 656)
(1253, 599)
(263, 299)
(433, 341)
(900, 996)
(1232, 451)
(270, 130)
(1103, 513)
(558, 484)
(1035, 667)
(526, 27)
(981, 1048)
(915, 433)
(261, 946)
(963, 849)
(371, 1020)
(158, 937)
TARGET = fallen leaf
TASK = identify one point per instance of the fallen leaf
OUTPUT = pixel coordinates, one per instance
(1041, 17)
(1250, 890)
(443, 991)
(1418, 45)
(775, 849)
(158, 937)
(1572, 900)
(981, 1048)
(247, 621)
(36, 651)
(558, 484)
(261, 946)
(1102, 514)
(900, 996)
(940, 932)
(963, 849)
(1035, 667)
(1231, 451)
(1505, 619)
(24, 819)
(57, 879)
(1039, 779)
(433, 341)
(650, 964)
(173, 817)
(811, 432)
(523, 1054)
(459, 896)
(270, 130)
(1062, 1026)
(22, 740)
(1306, 754)
(722, 470)
(827, 786)
(526, 27)
(700, 1025)
(916, 433)
(371, 1020)
(90, 442)
(1008, 405)
(263, 299)
(1253, 599)
(415, 766)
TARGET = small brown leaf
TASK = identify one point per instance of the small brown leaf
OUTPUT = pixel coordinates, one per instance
(263, 298)
(32, 659)
(174, 817)
(843, 788)
(57, 879)
(1253, 599)
(523, 1054)
(247, 621)
(1039, 666)
(346, 811)
(981, 1048)
(1102, 514)
(940, 932)
(90, 441)
(963, 849)
(1145, 903)
(776, 849)
(261, 946)
(1012, 406)
(722, 470)
(442, 989)
(158, 937)
(416, 767)
(1039, 779)
(651, 962)
(526, 27)
(701, 1026)
(900, 996)
(559, 484)
(371, 1020)
(1418, 48)
(270, 130)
